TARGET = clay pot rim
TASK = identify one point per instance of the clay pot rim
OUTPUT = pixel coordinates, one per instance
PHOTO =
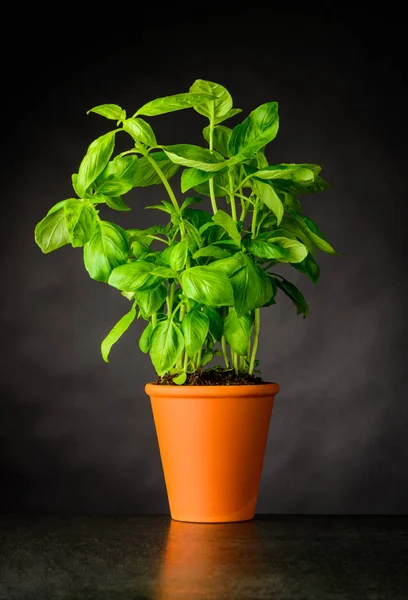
(211, 391)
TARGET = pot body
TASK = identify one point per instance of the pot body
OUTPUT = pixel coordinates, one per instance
(212, 443)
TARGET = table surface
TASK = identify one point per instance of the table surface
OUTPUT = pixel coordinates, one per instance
(153, 557)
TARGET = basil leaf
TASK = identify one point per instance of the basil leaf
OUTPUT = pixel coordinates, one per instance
(294, 294)
(281, 249)
(118, 176)
(216, 323)
(237, 331)
(297, 188)
(293, 172)
(294, 227)
(146, 338)
(190, 200)
(229, 266)
(192, 177)
(311, 230)
(231, 113)
(224, 220)
(309, 267)
(109, 111)
(195, 326)
(167, 344)
(117, 203)
(134, 276)
(107, 249)
(140, 131)
(252, 288)
(268, 196)
(189, 155)
(221, 184)
(211, 252)
(164, 272)
(220, 104)
(94, 161)
(221, 136)
(51, 232)
(160, 106)
(178, 256)
(257, 130)
(149, 302)
(146, 175)
(208, 287)
(117, 332)
(80, 219)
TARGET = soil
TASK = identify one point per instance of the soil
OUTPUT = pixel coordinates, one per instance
(214, 377)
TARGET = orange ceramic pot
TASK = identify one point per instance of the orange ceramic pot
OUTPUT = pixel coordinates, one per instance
(212, 443)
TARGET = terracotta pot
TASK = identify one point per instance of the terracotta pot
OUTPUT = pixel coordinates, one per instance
(212, 443)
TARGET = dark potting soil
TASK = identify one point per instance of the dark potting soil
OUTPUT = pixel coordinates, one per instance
(214, 377)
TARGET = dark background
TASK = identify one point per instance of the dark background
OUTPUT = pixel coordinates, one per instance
(77, 434)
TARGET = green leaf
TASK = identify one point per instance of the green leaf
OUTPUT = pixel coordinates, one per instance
(107, 249)
(166, 346)
(311, 230)
(178, 256)
(180, 379)
(146, 338)
(150, 301)
(94, 161)
(109, 111)
(294, 294)
(208, 287)
(308, 267)
(189, 155)
(134, 276)
(160, 106)
(197, 217)
(221, 183)
(269, 197)
(146, 175)
(277, 248)
(231, 113)
(229, 266)
(224, 220)
(140, 131)
(190, 200)
(195, 326)
(257, 130)
(211, 252)
(221, 136)
(293, 172)
(192, 177)
(164, 272)
(80, 219)
(215, 321)
(252, 288)
(117, 203)
(300, 188)
(220, 104)
(117, 332)
(237, 331)
(51, 232)
(118, 176)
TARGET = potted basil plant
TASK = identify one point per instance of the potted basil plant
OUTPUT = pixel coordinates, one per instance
(199, 282)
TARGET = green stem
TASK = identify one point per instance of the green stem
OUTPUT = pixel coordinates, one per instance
(154, 320)
(224, 351)
(170, 300)
(168, 189)
(235, 362)
(254, 216)
(232, 196)
(211, 182)
(257, 326)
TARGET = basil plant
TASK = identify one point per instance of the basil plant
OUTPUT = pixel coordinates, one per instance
(200, 281)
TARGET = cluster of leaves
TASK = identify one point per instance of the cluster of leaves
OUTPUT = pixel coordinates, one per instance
(201, 291)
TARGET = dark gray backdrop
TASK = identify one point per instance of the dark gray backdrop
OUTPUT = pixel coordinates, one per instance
(77, 434)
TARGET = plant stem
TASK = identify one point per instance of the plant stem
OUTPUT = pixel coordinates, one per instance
(154, 320)
(254, 216)
(168, 190)
(232, 196)
(224, 351)
(235, 361)
(211, 182)
(170, 300)
(257, 326)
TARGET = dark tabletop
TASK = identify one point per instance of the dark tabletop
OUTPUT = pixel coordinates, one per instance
(152, 557)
